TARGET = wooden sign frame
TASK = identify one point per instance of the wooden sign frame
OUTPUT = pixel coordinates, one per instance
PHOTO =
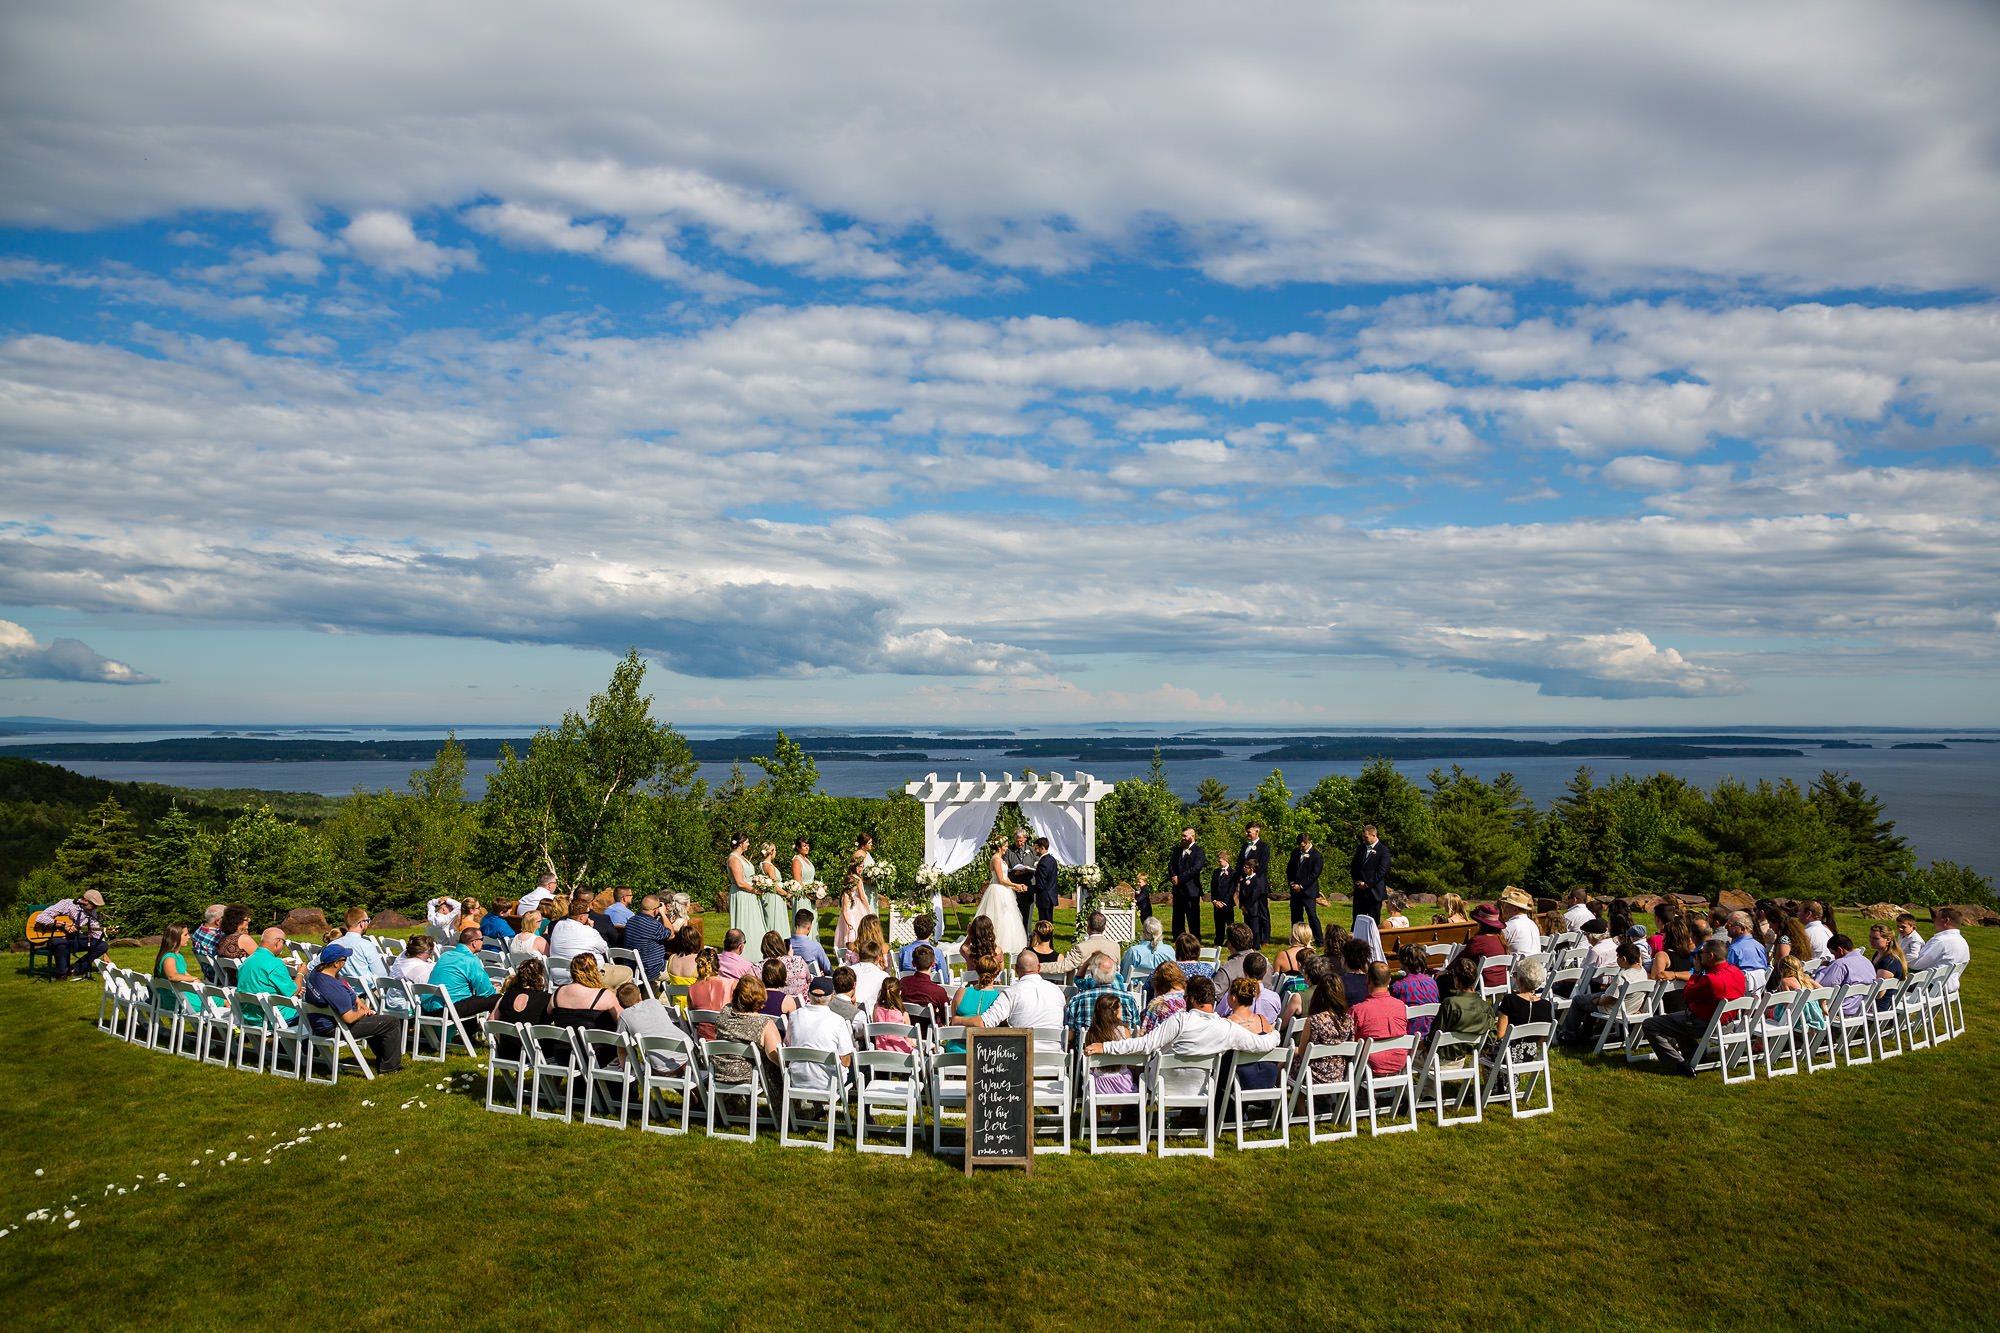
(972, 1037)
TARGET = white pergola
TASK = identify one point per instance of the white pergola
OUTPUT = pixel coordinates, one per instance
(1081, 793)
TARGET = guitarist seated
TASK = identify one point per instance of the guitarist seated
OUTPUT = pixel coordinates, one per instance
(68, 927)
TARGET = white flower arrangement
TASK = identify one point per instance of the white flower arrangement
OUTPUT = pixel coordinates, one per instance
(880, 875)
(929, 877)
(819, 890)
(1089, 875)
(791, 888)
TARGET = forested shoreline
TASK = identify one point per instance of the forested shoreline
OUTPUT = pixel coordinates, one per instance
(611, 796)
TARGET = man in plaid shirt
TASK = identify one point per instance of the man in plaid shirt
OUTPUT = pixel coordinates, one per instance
(206, 936)
(1101, 976)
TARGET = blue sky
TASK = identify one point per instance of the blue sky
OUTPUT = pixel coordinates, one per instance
(1582, 363)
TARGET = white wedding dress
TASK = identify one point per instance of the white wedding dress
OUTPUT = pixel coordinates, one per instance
(999, 905)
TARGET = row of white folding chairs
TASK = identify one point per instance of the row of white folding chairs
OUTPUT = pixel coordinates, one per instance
(222, 1025)
(1812, 1028)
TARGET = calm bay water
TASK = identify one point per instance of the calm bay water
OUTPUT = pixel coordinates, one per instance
(1946, 802)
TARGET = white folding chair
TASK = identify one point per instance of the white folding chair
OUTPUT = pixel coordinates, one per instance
(891, 1083)
(558, 1066)
(630, 958)
(1337, 1100)
(1399, 1089)
(684, 1078)
(334, 1046)
(1095, 1101)
(833, 1096)
(1851, 1030)
(1204, 1069)
(947, 1085)
(907, 1031)
(518, 1068)
(1777, 1031)
(1953, 1007)
(1880, 1012)
(1054, 1096)
(1512, 1078)
(752, 1088)
(443, 1022)
(110, 997)
(243, 1029)
(1496, 990)
(190, 1019)
(608, 1073)
(1938, 997)
(1911, 1013)
(1815, 1029)
(1277, 1097)
(1622, 1028)
(1451, 1061)
(1726, 1043)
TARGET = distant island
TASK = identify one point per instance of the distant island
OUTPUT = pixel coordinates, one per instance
(1921, 745)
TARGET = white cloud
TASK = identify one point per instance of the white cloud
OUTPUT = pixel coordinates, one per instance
(23, 657)
(385, 240)
(1610, 139)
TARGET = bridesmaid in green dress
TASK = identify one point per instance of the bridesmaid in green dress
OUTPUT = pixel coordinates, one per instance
(746, 909)
(777, 912)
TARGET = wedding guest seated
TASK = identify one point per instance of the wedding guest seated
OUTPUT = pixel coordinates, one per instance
(1097, 944)
(206, 937)
(1398, 915)
(494, 927)
(1149, 952)
(1328, 1023)
(1354, 962)
(889, 1009)
(1602, 949)
(1107, 1024)
(1196, 1030)
(870, 928)
(1889, 963)
(524, 999)
(1524, 1004)
(815, 1027)
(1674, 1037)
(1488, 942)
(1380, 1017)
(1256, 968)
(709, 992)
(1947, 945)
(417, 961)
(744, 1020)
(1187, 953)
(869, 974)
(1850, 967)
(642, 1017)
(1169, 997)
(1416, 986)
(682, 956)
(921, 986)
(171, 965)
(1907, 938)
(794, 974)
(1032, 1001)
(1098, 979)
(844, 1001)
(734, 965)
(776, 1003)
(646, 935)
(1818, 931)
(382, 1032)
(1745, 954)
(264, 972)
(1298, 948)
(575, 937)
(1451, 910)
(1576, 908)
(1575, 1019)
(1244, 1013)
(976, 996)
(234, 943)
(1674, 960)
(804, 923)
(925, 926)
(464, 977)
(528, 941)
(619, 912)
(584, 1001)
(1043, 942)
(1242, 942)
(1464, 1012)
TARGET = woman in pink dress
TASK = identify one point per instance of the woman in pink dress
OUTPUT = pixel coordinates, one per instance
(853, 905)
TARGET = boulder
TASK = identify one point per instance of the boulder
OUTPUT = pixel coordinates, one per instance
(1643, 902)
(1691, 900)
(122, 944)
(304, 921)
(392, 920)
(1338, 898)
(600, 900)
(1877, 911)
(1972, 914)
(150, 941)
(1423, 899)
(1736, 900)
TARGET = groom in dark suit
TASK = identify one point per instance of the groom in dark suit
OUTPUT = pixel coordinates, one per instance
(1045, 881)
(1370, 872)
(1302, 874)
(1021, 870)
(1184, 869)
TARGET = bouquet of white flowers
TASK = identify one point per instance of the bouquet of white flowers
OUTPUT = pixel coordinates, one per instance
(880, 875)
(763, 883)
(818, 890)
(929, 877)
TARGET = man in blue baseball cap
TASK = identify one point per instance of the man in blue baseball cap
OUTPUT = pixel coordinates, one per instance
(326, 989)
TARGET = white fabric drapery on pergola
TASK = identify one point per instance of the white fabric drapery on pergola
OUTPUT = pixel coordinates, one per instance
(959, 814)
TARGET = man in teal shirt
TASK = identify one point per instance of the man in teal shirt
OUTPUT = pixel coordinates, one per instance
(464, 977)
(264, 973)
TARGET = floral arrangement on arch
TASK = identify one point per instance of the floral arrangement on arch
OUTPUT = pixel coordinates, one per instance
(879, 875)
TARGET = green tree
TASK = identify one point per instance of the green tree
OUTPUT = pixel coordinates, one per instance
(432, 832)
(269, 866)
(1944, 881)
(1767, 841)
(100, 852)
(1270, 806)
(790, 772)
(1331, 812)
(1136, 827)
(581, 802)
(172, 879)
(1876, 861)
(1487, 830)
(1396, 807)
(1212, 795)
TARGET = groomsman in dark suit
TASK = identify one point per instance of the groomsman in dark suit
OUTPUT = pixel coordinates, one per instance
(1222, 897)
(1303, 873)
(1045, 881)
(1370, 872)
(1254, 845)
(1253, 895)
(1184, 866)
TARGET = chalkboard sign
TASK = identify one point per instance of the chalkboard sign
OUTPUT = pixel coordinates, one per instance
(1000, 1098)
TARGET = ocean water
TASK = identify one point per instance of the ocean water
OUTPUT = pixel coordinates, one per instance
(1946, 802)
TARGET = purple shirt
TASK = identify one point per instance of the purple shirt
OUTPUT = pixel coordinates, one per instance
(1851, 967)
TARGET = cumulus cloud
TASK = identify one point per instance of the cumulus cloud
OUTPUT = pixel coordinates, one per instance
(1622, 141)
(387, 241)
(1621, 665)
(24, 657)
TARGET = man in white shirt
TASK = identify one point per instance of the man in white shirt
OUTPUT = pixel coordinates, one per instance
(1517, 915)
(869, 974)
(364, 956)
(1031, 1002)
(1947, 946)
(1818, 934)
(574, 935)
(1195, 1030)
(1578, 914)
(1907, 938)
(538, 895)
(818, 1028)
(442, 920)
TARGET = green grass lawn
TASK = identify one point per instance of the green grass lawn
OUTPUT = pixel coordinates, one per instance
(1848, 1199)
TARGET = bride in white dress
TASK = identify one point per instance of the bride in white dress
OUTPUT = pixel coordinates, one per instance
(999, 906)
